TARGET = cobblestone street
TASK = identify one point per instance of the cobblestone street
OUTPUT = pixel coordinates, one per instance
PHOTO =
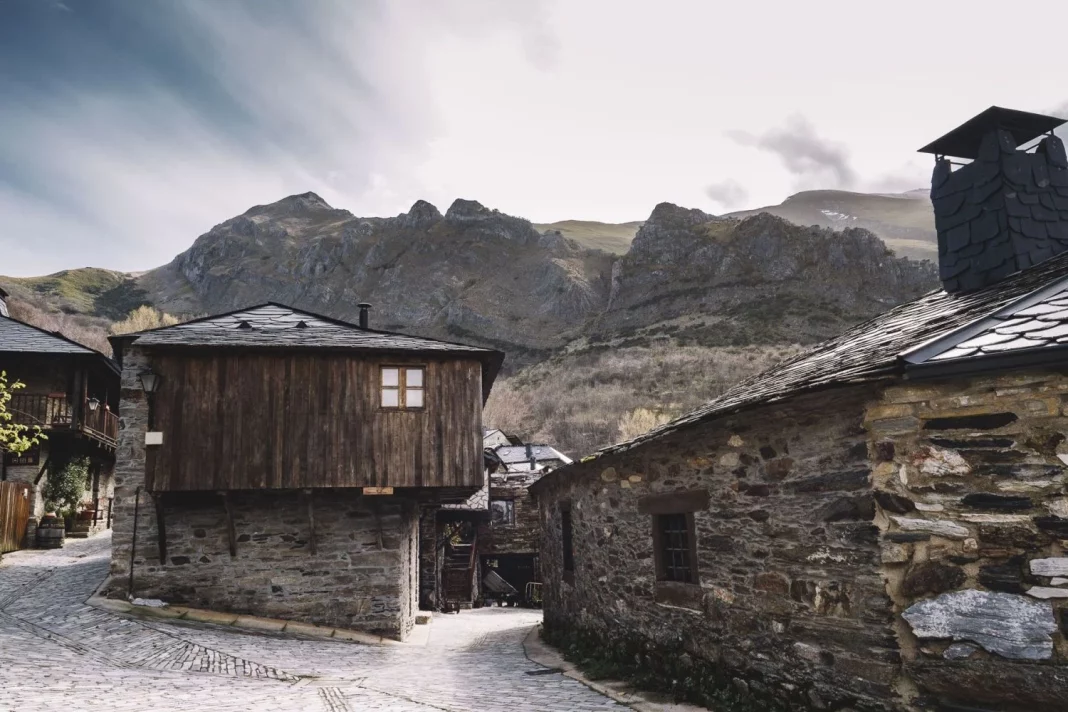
(56, 653)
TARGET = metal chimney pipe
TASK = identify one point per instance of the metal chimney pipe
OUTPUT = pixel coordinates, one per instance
(364, 309)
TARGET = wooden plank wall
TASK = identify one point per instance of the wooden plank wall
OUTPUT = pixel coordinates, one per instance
(257, 420)
(14, 514)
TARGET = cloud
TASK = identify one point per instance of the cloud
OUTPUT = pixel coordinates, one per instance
(813, 160)
(131, 128)
(727, 193)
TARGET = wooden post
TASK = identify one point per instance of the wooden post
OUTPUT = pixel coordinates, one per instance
(161, 528)
(311, 522)
(231, 534)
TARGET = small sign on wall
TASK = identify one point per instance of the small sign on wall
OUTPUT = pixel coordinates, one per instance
(378, 490)
(153, 437)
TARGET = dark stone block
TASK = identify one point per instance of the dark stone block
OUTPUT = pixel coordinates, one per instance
(861, 507)
(907, 537)
(718, 542)
(988, 421)
(759, 515)
(1003, 537)
(768, 452)
(831, 482)
(894, 503)
(1057, 526)
(757, 490)
(931, 577)
(1006, 577)
(199, 533)
(779, 469)
(884, 450)
(987, 500)
(965, 443)
(179, 560)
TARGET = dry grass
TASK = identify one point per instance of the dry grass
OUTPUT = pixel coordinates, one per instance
(585, 401)
(142, 318)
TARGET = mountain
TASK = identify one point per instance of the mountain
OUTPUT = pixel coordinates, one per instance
(477, 274)
(904, 221)
(610, 237)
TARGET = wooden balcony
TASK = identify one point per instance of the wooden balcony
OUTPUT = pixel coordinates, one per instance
(55, 413)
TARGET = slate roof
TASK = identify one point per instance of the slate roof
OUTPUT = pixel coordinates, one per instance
(963, 141)
(274, 325)
(870, 351)
(510, 454)
(18, 337)
(1038, 321)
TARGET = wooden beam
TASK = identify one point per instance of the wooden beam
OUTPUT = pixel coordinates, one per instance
(311, 521)
(161, 527)
(230, 533)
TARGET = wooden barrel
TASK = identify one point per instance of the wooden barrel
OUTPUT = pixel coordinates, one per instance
(50, 532)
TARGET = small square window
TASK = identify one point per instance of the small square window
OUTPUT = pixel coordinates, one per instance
(675, 547)
(403, 387)
(502, 511)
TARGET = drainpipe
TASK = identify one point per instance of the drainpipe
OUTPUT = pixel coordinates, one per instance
(133, 544)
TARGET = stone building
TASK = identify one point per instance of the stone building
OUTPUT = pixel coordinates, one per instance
(880, 523)
(71, 393)
(495, 530)
(274, 462)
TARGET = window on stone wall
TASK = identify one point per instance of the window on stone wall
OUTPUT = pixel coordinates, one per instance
(502, 511)
(674, 541)
(675, 547)
(566, 536)
(402, 387)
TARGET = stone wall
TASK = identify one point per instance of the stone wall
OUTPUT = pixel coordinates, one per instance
(790, 605)
(970, 482)
(363, 574)
(518, 538)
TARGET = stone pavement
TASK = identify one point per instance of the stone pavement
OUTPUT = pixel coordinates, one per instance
(56, 653)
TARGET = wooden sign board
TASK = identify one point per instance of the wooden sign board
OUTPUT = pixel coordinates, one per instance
(378, 490)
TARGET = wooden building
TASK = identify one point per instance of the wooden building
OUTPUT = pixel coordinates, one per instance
(279, 465)
(71, 393)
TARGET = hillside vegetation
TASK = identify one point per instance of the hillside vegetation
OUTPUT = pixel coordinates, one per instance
(610, 237)
(584, 401)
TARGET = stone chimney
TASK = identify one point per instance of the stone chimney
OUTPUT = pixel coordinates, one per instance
(1005, 210)
(3, 303)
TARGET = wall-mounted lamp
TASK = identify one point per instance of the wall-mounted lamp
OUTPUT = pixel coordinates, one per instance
(150, 384)
(93, 404)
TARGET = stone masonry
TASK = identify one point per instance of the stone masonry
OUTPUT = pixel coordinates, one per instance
(790, 602)
(875, 547)
(363, 574)
(969, 477)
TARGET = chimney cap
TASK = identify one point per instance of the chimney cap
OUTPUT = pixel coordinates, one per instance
(363, 305)
(963, 141)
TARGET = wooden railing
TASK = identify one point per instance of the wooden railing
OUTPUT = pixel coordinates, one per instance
(55, 413)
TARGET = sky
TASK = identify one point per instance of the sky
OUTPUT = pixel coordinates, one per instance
(130, 127)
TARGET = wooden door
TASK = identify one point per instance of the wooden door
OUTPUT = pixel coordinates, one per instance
(14, 514)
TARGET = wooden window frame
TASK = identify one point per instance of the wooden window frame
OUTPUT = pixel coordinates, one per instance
(567, 541)
(401, 388)
(680, 594)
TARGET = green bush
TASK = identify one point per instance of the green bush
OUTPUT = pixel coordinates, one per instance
(65, 487)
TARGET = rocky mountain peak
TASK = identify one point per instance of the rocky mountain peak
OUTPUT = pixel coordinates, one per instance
(467, 210)
(422, 214)
(672, 217)
(292, 205)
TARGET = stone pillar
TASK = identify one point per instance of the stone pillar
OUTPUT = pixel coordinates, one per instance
(129, 478)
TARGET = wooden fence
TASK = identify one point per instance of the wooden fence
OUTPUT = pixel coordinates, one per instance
(14, 514)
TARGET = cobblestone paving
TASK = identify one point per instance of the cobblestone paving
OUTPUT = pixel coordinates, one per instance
(56, 653)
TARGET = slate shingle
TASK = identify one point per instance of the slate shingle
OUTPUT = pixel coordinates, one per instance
(16, 337)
